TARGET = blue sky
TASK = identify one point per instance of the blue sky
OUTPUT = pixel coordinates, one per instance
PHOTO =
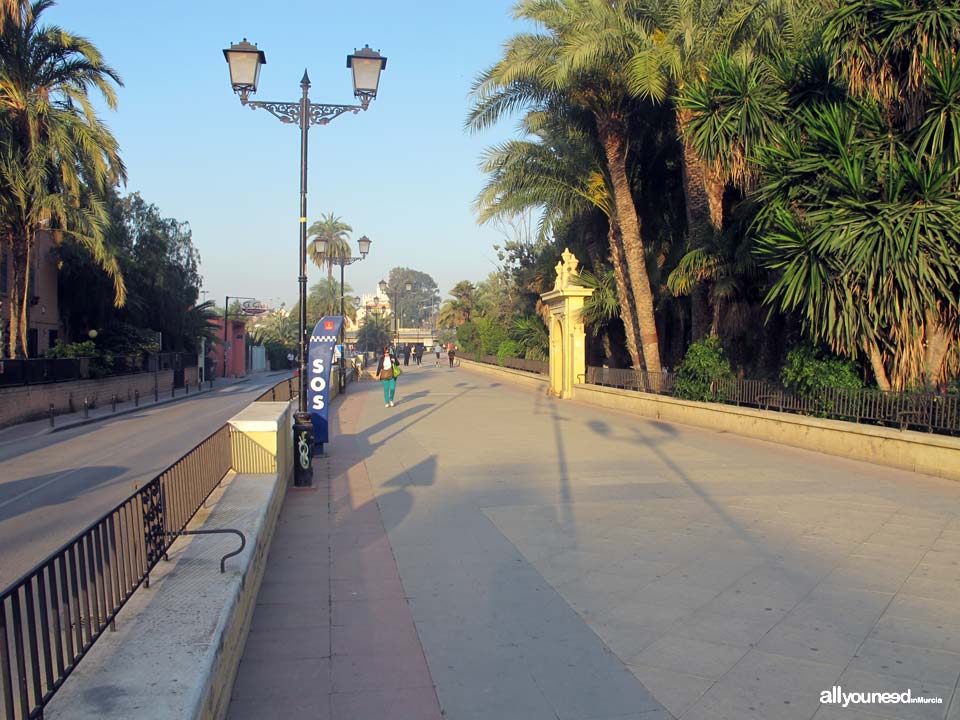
(404, 173)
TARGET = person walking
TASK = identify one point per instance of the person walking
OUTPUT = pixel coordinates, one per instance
(385, 371)
(418, 353)
(451, 353)
(437, 350)
(406, 354)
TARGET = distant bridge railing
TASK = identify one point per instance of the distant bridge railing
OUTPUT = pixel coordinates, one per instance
(933, 412)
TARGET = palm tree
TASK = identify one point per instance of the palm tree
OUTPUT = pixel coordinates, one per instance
(57, 157)
(337, 233)
(578, 56)
(561, 171)
(324, 299)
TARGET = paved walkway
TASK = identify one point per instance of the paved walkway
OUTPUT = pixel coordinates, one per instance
(561, 561)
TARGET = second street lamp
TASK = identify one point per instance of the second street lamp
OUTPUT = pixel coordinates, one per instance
(320, 246)
(245, 60)
(398, 311)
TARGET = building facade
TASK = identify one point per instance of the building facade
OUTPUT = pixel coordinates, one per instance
(43, 308)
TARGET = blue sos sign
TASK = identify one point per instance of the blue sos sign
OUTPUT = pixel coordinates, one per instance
(319, 362)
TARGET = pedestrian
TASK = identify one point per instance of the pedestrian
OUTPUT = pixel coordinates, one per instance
(437, 350)
(386, 371)
(451, 353)
(419, 354)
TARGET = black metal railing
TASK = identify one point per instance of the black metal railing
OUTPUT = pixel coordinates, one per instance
(283, 391)
(38, 371)
(541, 367)
(933, 412)
(50, 617)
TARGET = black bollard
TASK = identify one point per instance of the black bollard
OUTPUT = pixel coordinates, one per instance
(51, 414)
(186, 387)
(136, 397)
(173, 389)
(156, 392)
(113, 402)
(86, 407)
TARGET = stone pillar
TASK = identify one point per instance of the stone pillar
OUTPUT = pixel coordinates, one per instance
(568, 363)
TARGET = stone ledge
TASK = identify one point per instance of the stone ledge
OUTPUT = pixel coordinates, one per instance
(178, 643)
(907, 450)
(520, 376)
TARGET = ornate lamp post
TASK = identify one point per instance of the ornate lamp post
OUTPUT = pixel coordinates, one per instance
(245, 60)
(398, 294)
(321, 248)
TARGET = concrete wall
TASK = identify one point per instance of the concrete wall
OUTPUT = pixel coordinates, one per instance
(269, 425)
(30, 402)
(541, 382)
(908, 450)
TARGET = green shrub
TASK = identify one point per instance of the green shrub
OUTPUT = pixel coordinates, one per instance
(702, 367)
(468, 338)
(509, 349)
(809, 372)
(72, 350)
(491, 333)
(101, 363)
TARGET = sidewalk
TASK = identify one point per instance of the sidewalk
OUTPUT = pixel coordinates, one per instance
(486, 550)
(332, 634)
(64, 421)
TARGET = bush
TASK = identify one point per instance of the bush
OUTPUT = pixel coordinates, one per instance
(809, 373)
(101, 363)
(704, 365)
(509, 349)
(491, 333)
(468, 338)
(73, 350)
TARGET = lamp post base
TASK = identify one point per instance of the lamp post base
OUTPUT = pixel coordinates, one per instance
(302, 450)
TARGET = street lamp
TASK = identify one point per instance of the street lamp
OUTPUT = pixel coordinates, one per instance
(245, 60)
(320, 245)
(398, 294)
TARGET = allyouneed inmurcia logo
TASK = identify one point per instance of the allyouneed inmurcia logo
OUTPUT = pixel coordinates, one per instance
(836, 696)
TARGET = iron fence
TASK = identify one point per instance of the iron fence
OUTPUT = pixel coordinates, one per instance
(283, 391)
(933, 412)
(50, 617)
(38, 371)
(541, 367)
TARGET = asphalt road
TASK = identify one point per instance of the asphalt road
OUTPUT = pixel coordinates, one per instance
(53, 486)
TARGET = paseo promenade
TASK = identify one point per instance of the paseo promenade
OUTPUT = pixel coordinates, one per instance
(483, 550)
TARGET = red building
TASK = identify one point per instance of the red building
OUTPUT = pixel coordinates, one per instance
(236, 349)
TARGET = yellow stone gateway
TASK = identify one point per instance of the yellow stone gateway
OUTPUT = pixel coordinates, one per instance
(568, 364)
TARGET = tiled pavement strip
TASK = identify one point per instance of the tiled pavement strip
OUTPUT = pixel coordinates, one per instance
(563, 561)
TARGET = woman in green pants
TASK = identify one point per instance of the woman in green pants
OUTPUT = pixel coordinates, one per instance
(388, 361)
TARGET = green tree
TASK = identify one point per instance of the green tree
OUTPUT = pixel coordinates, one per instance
(57, 157)
(374, 333)
(578, 56)
(324, 299)
(336, 233)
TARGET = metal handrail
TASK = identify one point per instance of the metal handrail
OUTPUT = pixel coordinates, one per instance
(52, 615)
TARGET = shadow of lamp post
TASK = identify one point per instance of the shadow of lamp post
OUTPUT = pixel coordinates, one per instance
(245, 60)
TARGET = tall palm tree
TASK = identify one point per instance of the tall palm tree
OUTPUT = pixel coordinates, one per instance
(57, 157)
(560, 170)
(337, 233)
(579, 54)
